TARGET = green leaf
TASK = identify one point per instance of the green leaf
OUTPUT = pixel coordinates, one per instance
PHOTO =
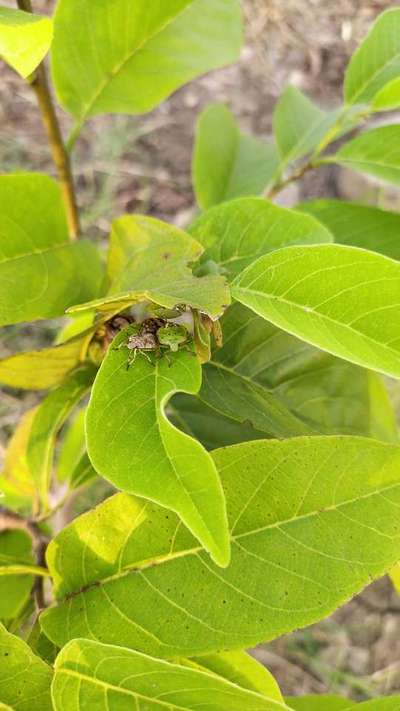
(16, 483)
(299, 125)
(282, 387)
(148, 260)
(132, 444)
(148, 50)
(24, 678)
(358, 225)
(395, 577)
(235, 234)
(15, 585)
(241, 669)
(48, 420)
(318, 538)
(389, 703)
(88, 675)
(388, 98)
(319, 703)
(24, 39)
(39, 370)
(374, 152)
(342, 299)
(226, 162)
(41, 271)
(377, 60)
(74, 465)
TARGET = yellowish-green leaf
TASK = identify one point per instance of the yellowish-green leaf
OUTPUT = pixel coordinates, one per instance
(48, 420)
(319, 703)
(241, 669)
(319, 537)
(24, 39)
(388, 98)
(39, 370)
(299, 125)
(227, 163)
(93, 675)
(16, 482)
(395, 576)
(122, 57)
(376, 62)
(375, 152)
(16, 572)
(148, 260)
(24, 678)
(235, 234)
(358, 225)
(132, 444)
(342, 299)
(41, 272)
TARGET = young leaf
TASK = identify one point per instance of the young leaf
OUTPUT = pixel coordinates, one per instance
(148, 260)
(39, 370)
(24, 678)
(235, 234)
(89, 674)
(377, 60)
(388, 98)
(320, 703)
(15, 550)
(374, 152)
(284, 387)
(16, 482)
(48, 420)
(132, 444)
(24, 39)
(299, 125)
(358, 225)
(241, 669)
(319, 537)
(226, 162)
(41, 271)
(148, 50)
(342, 299)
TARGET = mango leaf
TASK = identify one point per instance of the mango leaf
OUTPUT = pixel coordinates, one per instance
(265, 378)
(373, 152)
(48, 420)
(16, 482)
(377, 60)
(15, 587)
(358, 225)
(24, 39)
(41, 271)
(235, 234)
(42, 369)
(148, 260)
(89, 674)
(24, 678)
(241, 669)
(299, 125)
(148, 51)
(388, 98)
(321, 702)
(226, 162)
(129, 581)
(132, 444)
(342, 299)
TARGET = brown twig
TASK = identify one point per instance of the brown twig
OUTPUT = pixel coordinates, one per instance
(282, 184)
(59, 153)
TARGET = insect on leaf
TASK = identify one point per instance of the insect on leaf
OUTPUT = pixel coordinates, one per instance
(132, 444)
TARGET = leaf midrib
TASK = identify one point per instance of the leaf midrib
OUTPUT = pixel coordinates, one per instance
(138, 567)
(112, 73)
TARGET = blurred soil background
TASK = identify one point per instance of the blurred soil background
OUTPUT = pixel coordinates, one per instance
(143, 164)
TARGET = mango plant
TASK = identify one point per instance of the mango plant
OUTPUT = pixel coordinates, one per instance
(225, 382)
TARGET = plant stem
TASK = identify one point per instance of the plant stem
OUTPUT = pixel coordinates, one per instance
(296, 175)
(59, 153)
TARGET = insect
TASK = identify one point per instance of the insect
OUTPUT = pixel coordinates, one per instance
(153, 335)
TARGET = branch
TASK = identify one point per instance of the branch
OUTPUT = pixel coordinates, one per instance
(60, 156)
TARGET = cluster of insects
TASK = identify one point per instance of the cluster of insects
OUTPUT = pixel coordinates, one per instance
(154, 334)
